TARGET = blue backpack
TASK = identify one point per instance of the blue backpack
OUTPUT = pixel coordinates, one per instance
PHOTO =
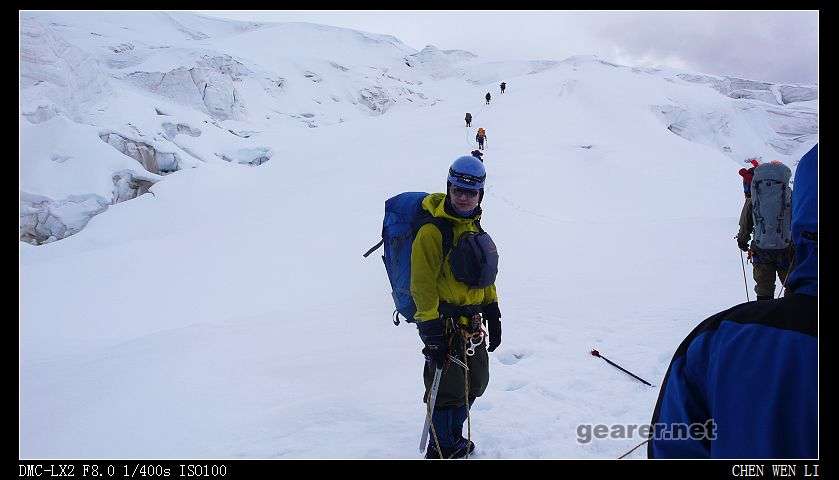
(404, 216)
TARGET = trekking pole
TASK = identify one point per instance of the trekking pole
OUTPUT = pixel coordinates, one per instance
(597, 354)
(432, 398)
(744, 275)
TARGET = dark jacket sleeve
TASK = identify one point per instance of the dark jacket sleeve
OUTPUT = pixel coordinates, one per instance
(746, 222)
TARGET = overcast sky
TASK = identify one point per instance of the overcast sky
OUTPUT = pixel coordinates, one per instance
(776, 46)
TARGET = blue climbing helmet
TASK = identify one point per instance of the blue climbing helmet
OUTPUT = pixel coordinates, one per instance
(467, 172)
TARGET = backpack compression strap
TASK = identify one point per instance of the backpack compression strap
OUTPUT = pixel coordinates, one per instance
(443, 225)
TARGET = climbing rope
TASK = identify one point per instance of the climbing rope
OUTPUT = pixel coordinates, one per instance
(468, 406)
(791, 258)
(434, 434)
(469, 138)
(633, 449)
(471, 340)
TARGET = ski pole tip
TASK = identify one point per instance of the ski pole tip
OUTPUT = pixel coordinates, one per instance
(595, 353)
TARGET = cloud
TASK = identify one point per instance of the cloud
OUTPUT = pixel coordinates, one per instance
(774, 46)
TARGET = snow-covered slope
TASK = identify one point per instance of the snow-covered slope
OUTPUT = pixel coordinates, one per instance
(230, 308)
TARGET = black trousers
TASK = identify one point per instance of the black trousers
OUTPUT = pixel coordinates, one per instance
(452, 390)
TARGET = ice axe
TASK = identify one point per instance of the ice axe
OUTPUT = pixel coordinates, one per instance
(432, 398)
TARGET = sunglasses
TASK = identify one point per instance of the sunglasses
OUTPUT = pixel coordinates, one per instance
(464, 192)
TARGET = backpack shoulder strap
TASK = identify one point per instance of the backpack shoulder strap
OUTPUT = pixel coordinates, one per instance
(443, 225)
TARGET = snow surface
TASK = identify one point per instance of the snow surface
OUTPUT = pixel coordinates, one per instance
(229, 313)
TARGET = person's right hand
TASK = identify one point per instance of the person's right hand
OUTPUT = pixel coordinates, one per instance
(435, 354)
(743, 245)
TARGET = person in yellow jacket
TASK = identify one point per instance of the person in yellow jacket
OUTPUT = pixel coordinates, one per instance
(449, 312)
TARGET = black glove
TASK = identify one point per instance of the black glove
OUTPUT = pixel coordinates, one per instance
(432, 334)
(493, 316)
(744, 245)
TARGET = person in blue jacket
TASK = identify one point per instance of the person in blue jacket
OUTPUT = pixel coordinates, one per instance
(746, 379)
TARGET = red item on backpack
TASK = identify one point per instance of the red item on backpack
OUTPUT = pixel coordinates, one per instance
(747, 174)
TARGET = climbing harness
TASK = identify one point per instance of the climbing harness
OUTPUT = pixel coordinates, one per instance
(474, 340)
(473, 334)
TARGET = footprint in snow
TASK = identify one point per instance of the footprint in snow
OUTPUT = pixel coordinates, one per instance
(516, 385)
(550, 394)
(512, 358)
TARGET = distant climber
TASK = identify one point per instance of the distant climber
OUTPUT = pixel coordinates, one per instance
(478, 154)
(481, 137)
(468, 119)
(488, 96)
(747, 175)
(503, 86)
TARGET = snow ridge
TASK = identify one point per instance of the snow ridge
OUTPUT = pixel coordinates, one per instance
(95, 69)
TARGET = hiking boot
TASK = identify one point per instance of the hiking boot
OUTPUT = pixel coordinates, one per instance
(431, 452)
(463, 451)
